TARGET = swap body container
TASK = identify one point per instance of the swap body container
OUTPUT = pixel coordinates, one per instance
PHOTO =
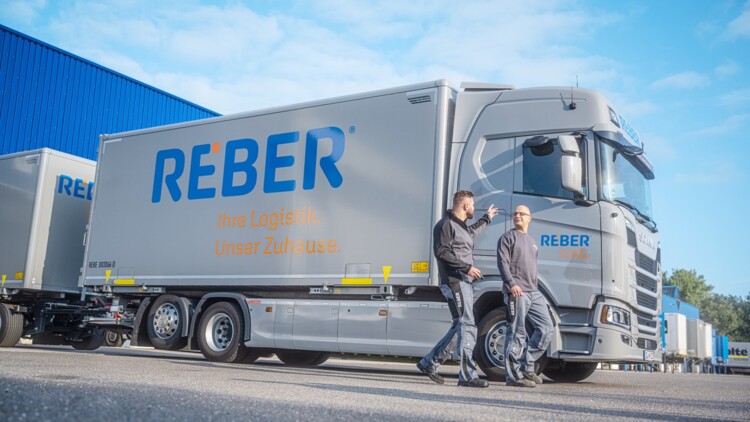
(676, 335)
(45, 201)
(273, 206)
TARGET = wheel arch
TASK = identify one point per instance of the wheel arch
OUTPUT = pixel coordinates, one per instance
(209, 299)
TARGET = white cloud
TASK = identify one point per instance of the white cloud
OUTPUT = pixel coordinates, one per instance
(713, 173)
(733, 123)
(740, 26)
(736, 98)
(23, 11)
(681, 81)
(237, 56)
(729, 68)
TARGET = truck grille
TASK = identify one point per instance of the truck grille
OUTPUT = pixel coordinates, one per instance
(646, 282)
(631, 238)
(646, 301)
(648, 322)
(645, 262)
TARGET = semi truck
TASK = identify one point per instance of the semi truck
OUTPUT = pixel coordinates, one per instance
(45, 201)
(306, 230)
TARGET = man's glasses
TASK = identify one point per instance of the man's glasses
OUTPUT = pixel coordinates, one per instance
(522, 214)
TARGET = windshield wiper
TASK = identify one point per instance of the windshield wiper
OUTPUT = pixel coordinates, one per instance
(642, 218)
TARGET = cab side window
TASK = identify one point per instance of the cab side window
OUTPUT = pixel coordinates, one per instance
(541, 170)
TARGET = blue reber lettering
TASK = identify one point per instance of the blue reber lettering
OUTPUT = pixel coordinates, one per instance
(573, 240)
(240, 175)
(78, 188)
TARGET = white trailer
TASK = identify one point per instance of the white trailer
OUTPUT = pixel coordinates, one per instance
(307, 230)
(676, 336)
(699, 340)
(738, 362)
(45, 201)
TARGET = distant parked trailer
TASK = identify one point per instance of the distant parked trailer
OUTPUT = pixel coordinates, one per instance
(738, 362)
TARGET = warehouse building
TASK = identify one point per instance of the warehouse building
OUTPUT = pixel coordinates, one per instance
(55, 99)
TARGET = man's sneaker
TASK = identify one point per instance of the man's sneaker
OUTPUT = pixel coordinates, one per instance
(476, 382)
(434, 376)
(523, 382)
(533, 377)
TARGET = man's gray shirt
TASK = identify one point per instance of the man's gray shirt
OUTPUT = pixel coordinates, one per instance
(516, 259)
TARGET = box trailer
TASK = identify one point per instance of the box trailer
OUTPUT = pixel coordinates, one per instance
(45, 201)
(699, 340)
(306, 230)
(738, 362)
(675, 336)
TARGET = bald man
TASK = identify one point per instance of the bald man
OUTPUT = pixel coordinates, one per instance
(517, 261)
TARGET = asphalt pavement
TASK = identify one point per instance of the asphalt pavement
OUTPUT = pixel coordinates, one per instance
(57, 383)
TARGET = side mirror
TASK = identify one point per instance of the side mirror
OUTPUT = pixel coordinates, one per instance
(571, 165)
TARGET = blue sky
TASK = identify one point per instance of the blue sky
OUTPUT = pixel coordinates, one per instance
(678, 70)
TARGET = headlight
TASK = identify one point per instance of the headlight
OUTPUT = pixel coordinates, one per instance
(615, 316)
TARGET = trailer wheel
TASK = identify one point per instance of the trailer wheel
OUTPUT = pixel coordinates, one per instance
(561, 371)
(164, 323)
(92, 342)
(113, 339)
(302, 357)
(220, 333)
(490, 349)
(11, 326)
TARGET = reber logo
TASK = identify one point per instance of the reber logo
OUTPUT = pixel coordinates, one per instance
(234, 165)
(78, 188)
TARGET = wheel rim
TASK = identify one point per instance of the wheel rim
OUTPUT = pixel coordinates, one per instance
(166, 321)
(112, 336)
(219, 332)
(494, 344)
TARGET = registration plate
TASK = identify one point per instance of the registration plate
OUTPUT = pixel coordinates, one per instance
(648, 355)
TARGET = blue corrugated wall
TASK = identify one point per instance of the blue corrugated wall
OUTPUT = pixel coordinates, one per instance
(51, 98)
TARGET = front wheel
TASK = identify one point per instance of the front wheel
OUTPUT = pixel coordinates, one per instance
(561, 371)
(11, 326)
(220, 333)
(490, 349)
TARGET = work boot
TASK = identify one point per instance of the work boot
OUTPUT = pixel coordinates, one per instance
(476, 382)
(434, 376)
(531, 376)
(523, 382)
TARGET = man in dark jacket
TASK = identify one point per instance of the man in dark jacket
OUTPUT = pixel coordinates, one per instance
(517, 261)
(454, 249)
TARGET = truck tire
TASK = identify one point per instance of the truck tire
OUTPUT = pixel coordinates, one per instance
(490, 348)
(92, 342)
(164, 322)
(220, 333)
(113, 339)
(302, 357)
(11, 326)
(560, 371)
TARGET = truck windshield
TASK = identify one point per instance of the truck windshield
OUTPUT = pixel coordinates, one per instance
(622, 183)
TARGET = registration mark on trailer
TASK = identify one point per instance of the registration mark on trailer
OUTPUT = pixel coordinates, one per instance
(648, 355)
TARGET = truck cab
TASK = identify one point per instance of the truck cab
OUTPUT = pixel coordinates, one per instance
(568, 155)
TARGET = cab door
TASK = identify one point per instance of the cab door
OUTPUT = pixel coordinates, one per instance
(566, 232)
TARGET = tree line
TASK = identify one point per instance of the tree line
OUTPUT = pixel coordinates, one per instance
(729, 314)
